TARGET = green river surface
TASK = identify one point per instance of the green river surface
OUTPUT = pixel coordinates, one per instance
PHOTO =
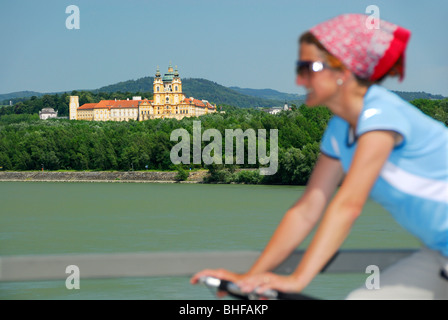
(74, 217)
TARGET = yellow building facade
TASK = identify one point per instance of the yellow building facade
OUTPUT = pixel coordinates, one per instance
(168, 102)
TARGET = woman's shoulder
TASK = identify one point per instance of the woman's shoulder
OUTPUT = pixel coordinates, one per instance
(385, 110)
(387, 104)
(379, 96)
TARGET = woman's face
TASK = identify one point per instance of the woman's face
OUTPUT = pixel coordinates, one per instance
(321, 86)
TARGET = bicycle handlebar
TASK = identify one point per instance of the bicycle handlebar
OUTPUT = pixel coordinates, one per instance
(233, 290)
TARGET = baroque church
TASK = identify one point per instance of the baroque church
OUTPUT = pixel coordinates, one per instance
(168, 102)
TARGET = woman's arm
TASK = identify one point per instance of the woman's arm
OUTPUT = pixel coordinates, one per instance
(297, 223)
(372, 152)
(301, 218)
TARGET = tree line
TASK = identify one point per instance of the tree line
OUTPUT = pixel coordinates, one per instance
(27, 143)
(60, 102)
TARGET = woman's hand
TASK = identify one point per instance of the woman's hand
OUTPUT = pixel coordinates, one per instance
(268, 280)
(216, 273)
(249, 283)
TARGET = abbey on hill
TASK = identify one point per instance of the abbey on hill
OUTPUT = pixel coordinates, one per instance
(168, 102)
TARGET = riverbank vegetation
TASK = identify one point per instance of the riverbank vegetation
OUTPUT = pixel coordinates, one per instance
(60, 102)
(27, 143)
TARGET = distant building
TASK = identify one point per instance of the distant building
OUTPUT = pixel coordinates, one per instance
(275, 110)
(47, 113)
(168, 102)
(73, 107)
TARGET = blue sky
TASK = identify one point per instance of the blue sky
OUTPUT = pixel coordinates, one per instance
(245, 43)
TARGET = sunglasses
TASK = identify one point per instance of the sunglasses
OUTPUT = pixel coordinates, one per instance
(304, 68)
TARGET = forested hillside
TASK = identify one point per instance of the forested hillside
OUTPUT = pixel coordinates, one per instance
(192, 87)
(27, 143)
(198, 88)
(60, 102)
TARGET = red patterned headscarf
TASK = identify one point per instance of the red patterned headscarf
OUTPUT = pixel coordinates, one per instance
(368, 52)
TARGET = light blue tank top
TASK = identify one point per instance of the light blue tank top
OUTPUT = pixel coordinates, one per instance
(413, 183)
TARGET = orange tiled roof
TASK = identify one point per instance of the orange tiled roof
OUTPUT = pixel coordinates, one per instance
(111, 104)
(117, 104)
(125, 104)
(105, 104)
(196, 102)
(87, 106)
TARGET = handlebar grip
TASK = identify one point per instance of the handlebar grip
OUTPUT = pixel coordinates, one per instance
(233, 290)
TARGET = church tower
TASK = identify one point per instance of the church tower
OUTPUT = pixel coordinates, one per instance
(73, 107)
(177, 84)
(167, 92)
(157, 88)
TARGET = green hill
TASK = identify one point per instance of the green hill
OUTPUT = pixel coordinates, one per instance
(139, 85)
(281, 96)
(19, 94)
(409, 96)
(206, 90)
(269, 94)
(216, 93)
(199, 89)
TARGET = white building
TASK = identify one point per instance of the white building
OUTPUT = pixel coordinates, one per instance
(275, 110)
(47, 113)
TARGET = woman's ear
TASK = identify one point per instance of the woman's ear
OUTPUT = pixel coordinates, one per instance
(346, 75)
(343, 76)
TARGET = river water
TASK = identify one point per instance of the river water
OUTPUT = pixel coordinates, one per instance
(63, 218)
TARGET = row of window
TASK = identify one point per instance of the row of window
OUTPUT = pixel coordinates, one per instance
(132, 114)
(168, 89)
